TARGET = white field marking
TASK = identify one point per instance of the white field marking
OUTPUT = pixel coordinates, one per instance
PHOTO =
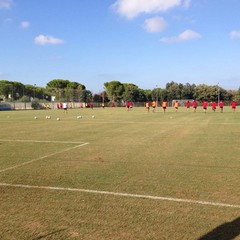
(40, 158)
(39, 141)
(216, 204)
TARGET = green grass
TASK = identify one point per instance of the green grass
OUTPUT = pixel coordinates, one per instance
(192, 156)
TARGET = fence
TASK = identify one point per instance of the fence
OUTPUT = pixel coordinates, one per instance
(56, 105)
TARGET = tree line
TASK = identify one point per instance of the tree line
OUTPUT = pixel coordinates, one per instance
(65, 90)
(117, 91)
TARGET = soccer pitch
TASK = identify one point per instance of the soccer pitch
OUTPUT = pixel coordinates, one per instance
(120, 174)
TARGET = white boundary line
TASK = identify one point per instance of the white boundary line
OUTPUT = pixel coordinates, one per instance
(96, 191)
(123, 195)
(40, 158)
(39, 141)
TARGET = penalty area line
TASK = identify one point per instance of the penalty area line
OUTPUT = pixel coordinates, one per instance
(43, 157)
(119, 194)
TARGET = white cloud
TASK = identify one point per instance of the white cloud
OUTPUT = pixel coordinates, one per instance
(46, 39)
(235, 35)
(6, 4)
(25, 24)
(182, 37)
(155, 24)
(186, 3)
(132, 8)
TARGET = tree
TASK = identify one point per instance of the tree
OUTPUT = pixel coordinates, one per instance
(114, 90)
(237, 96)
(225, 95)
(5, 88)
(58, 83)
(100, 97)
(234, 95)
(159, 94)
(30, 91)
(57, 87)
(88, 96)
(155, 94)
(14, 90)
(131, 92)
(97, 97)
(173, 91)
(75, 91)
(144, 95)
(205, 92)
(188, 91)
(66, 90)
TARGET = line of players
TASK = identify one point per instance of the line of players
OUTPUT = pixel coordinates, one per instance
(188, 104)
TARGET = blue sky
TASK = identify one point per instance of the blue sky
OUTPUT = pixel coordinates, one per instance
(145, 42)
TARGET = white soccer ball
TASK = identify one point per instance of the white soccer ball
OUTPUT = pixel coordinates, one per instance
(78, 117)
(58, 119)
(35, 117)
(93, 116)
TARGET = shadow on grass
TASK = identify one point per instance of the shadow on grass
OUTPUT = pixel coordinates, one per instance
(49, 234)
(226, 231)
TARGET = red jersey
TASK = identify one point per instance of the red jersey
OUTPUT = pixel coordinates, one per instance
(233, 104)
(194, 103)
(221, 104)
(205, 104)
(188, 104)
(214, 104)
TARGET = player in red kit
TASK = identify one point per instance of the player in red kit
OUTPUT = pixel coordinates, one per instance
(188, 105)
(221, 106)
(233, 105)
(194, 103)
(205, 105)
(214, 106)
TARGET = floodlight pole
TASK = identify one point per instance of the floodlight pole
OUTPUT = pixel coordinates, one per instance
(218, 93)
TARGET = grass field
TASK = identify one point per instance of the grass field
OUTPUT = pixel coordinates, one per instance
(120, 175)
